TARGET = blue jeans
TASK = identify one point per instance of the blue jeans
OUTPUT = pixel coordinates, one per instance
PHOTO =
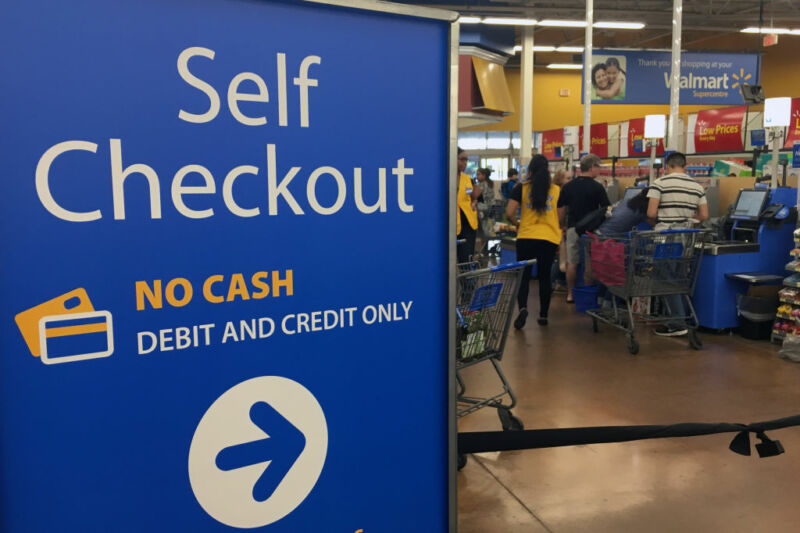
(677, 309)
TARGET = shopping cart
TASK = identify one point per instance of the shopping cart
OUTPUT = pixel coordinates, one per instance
(484, 306)
(639, 271)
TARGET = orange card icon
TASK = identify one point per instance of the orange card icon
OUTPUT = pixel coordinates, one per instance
(76, 301)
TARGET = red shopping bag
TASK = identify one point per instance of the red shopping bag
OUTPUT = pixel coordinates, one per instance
(608, 261)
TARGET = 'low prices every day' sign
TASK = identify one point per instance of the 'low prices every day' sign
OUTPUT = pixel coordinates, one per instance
(209, 300)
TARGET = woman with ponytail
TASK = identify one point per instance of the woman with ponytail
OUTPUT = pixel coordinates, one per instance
(538, 233)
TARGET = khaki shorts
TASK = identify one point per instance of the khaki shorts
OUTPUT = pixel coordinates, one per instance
(573, 247)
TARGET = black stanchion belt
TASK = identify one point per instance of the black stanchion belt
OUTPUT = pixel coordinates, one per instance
(500, 441)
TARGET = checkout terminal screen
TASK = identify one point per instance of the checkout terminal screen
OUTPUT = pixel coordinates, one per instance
(749, 204)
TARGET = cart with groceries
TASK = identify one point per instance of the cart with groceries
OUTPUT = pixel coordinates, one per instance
(637, 272)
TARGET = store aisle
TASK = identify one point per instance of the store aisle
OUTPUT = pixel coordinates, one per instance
(567, 376)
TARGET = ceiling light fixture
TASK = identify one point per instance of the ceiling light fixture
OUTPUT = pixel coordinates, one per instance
(754, 29)
(563, 23)
(509, 21)
(565, 66)
(571, 49)
(619, 25)
(543, 48)
(469, 20)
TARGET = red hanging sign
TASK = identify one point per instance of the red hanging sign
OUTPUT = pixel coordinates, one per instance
(636, 132)
(793, 134)
(550, 140)
(599, 145)
(719, 130)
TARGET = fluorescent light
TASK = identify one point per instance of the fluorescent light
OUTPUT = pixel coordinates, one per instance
(509, 21)
(795, 32)
(518, 48)
(754, 29)
(469, 20)
(565, 66)
(572, 49)
(620, 25)
(563, 23)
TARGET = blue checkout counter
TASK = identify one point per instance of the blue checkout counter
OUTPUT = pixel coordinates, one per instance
(761, 239)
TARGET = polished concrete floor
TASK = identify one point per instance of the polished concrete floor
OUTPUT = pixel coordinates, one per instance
(567, 376)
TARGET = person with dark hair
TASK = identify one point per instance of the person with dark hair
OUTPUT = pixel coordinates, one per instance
(674, 200)
(579, 198)
(467, 215)
(599, 76)
(538, 233)
(626, 216)
(508, 186)
(616, 79)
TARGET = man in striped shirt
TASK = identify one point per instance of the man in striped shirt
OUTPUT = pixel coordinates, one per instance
(675, 199)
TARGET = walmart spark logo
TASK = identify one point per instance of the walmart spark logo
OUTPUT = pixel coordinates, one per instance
(740, 78)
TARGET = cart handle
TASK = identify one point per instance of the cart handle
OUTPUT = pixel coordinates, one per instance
(681, 231)
(510, 266)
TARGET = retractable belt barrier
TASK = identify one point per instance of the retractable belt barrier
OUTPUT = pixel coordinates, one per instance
(501, 441)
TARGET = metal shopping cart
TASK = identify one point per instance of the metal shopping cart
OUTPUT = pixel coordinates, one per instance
(484, 307)
(642, 273)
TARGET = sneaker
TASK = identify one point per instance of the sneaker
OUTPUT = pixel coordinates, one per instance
(670, 331)
(519, 323)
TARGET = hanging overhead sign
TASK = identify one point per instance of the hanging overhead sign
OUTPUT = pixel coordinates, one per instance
(643, 77)
(599, 141)
(187, 343)
(720, 130)
(793, 131)
(552, 140)
(636, 139)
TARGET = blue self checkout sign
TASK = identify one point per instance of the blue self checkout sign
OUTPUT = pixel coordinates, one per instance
(187, 344)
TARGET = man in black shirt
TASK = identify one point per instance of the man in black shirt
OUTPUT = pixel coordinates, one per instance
(578, 198)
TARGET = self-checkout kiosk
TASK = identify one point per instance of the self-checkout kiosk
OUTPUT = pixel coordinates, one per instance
(760, 233)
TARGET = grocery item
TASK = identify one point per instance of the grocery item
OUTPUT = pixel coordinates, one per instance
(792, 281)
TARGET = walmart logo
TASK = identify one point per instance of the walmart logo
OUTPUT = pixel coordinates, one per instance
(740, 78)
(724, 81)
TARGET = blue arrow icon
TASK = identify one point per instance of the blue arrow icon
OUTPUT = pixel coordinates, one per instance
(282, 447)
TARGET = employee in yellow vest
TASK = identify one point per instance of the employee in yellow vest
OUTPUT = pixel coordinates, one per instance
(538, 233)
(467, 217)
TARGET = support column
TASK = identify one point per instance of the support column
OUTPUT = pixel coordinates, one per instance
(526, 99)
(587, 80)
(777, 143)
(675, 89)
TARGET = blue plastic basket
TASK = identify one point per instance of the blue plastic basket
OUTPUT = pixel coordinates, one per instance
(585, 297)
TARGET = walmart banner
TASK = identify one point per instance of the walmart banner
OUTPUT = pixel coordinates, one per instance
(639, 77)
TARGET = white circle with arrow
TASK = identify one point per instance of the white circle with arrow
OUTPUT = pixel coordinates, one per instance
(258, 452)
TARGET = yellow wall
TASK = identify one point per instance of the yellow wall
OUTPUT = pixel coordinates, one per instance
(780, 77)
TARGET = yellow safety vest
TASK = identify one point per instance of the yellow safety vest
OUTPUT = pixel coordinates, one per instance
(464, 202)
(535, 225)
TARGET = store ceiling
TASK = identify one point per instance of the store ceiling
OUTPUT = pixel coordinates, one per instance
(703, 20)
